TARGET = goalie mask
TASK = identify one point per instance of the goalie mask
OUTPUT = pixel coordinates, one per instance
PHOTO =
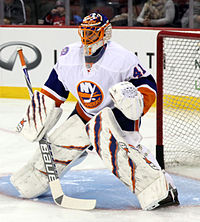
(95, 31)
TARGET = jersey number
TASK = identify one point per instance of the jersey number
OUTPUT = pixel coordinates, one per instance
(138, 71)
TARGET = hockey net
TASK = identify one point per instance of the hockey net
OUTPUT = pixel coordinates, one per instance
(178, 100)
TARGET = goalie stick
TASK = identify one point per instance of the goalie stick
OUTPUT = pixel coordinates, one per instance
(54, 182)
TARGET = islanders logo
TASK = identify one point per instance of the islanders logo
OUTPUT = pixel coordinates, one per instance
(90, 94)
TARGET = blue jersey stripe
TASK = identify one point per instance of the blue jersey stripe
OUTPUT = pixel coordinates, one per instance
(56, 85)
(149, 80)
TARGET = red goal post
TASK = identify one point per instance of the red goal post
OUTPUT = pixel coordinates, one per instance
(178, 99)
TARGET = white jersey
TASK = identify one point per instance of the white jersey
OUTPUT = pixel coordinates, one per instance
(92, 88)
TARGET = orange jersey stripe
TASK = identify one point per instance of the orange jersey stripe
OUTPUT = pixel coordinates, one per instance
(81, 113)
(58, 102)
(149, 98)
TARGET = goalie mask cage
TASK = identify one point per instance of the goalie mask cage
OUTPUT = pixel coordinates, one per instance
(178, 99)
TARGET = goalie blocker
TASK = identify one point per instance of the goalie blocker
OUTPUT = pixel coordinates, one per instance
(132, 163)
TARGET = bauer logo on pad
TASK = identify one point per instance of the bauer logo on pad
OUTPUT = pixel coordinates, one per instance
(21, 125)
(90, 94)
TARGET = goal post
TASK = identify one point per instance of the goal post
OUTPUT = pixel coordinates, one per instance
(178, 99)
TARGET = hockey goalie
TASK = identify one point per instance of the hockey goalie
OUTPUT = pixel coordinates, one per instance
(114, 91)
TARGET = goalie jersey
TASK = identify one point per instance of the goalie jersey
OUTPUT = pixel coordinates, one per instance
(91, 88)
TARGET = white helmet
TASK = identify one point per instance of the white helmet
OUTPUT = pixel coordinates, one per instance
(95, 31)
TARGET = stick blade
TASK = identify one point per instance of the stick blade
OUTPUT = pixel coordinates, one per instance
(69, 202)
(78, 204)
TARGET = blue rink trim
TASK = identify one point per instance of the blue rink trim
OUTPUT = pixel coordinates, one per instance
(109, 192)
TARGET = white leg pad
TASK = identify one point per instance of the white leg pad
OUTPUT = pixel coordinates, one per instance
(127, 161)
(67, 146)
(29, 181)
(115, 159)
(154, 193)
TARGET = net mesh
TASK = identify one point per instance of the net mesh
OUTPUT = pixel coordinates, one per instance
(181, 101)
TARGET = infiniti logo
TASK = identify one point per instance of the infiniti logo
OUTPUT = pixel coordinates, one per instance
(9, 61)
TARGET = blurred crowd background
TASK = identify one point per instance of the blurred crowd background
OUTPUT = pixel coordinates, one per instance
(141, 13)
